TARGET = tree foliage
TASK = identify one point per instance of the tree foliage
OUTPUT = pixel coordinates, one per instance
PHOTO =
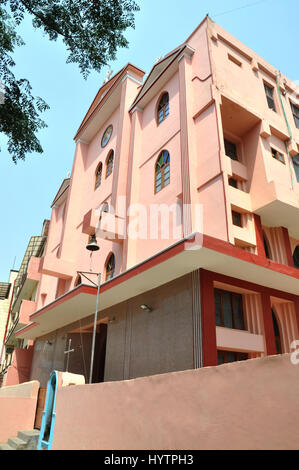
(91, 30)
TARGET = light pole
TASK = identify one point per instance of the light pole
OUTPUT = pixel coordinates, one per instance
(93, 246)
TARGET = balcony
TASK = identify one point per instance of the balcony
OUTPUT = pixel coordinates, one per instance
(30, 272)
(53, 266)
(239, 199)
(111, 227)
(278, 205)
(272, 184)
(245, 236)
(104, 224)
(28, 282)
(239, 340)
(34, 269)
(27, 308)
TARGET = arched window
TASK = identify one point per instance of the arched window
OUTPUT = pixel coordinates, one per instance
(163, 108)
(162, 171)
(276, 334)
(109, 164)
(110, 267)
(78, 280)
(296, 257)
(99, 175)
(266, 246)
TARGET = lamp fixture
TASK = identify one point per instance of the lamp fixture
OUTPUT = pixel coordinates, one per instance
(146, 308)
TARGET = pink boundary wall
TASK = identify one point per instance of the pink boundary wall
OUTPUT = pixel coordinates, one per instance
(244, 405)
(19, 371)
(17, 408)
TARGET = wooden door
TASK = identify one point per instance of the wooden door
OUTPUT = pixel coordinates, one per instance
(41, 399)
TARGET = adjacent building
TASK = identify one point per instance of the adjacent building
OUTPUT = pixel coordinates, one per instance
(6, 292)
(189, 181)
(21, 303)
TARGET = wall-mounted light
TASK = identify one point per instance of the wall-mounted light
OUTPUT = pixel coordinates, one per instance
(112, 320)
(146, 308)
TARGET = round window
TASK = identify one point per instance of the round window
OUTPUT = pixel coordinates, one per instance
(106, 136)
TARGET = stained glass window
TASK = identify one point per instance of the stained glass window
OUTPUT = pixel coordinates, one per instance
(109, 164)
(162, 171)
(163, 108)
(106, 136)
(110, 267)
(99, 175)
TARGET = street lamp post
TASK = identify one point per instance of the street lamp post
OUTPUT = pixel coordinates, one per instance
(93, 246)
(94, 329)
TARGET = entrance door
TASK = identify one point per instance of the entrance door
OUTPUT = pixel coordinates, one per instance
(276, 333)
(100, 354)
(41, 400)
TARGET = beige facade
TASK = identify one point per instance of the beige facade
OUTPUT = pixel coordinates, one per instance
(4, 310)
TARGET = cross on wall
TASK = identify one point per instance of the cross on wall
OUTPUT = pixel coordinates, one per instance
(68, 351)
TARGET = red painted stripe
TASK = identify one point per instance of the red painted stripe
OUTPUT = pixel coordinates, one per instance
(209, 341)
(207, 242)
(231, 250)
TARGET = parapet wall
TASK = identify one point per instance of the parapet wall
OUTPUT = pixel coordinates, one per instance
(243, 405)
(17, 408)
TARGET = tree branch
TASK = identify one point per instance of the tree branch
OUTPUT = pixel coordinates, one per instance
(43, 20)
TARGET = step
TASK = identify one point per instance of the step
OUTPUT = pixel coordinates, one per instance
(6, 447)
(16, 443)
(30, 437)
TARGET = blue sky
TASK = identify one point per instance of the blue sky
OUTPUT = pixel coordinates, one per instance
(27, 189)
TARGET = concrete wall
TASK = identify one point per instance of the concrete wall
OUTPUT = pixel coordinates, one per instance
(138, 343)
(143, 343)
(245, 405)
(17, 408)
(19, 370)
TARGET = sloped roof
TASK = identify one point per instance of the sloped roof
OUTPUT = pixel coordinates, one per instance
(156, 71)
(61, 191)
(104, 92)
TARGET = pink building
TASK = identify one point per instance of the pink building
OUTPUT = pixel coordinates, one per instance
(190, 182)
